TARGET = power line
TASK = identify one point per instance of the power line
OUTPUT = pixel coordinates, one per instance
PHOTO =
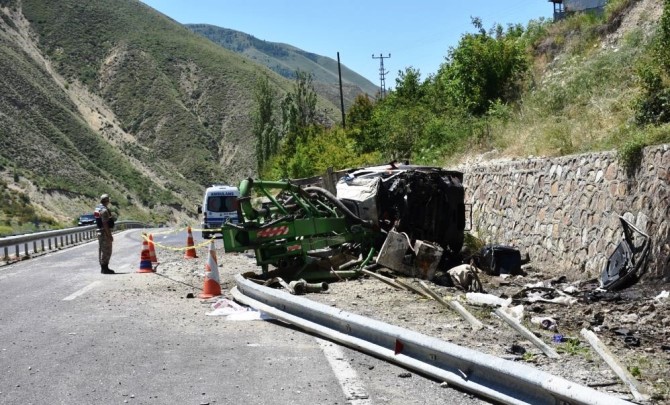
(382, 73)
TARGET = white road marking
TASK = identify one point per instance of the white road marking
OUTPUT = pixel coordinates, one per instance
(347, 377)
(82, 291)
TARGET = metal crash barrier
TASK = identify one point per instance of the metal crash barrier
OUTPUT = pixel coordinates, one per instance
(52, 240)
(502, 380)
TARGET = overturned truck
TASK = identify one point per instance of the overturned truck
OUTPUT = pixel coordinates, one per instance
(414, 217)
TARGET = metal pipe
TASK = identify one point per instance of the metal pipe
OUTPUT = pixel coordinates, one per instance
(327, 194)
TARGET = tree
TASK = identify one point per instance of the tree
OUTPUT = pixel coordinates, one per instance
(361, 125)
(298, 112)
(653, 105)
(264, 124)
(483, 68)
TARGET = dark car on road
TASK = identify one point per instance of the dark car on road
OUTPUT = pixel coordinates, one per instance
(86, 219)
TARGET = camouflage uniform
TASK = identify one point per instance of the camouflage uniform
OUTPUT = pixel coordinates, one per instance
(105, 223)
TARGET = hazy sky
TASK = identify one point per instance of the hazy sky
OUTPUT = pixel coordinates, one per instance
(416, 33)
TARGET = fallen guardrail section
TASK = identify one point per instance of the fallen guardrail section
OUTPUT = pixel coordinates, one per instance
(485, 375)
(49, 240)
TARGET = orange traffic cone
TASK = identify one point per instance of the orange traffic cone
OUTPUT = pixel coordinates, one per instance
(145, 258)
(190, 253)
(152, 249)
(212, 287)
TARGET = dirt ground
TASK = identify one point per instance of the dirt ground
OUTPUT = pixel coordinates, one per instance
(631, 323)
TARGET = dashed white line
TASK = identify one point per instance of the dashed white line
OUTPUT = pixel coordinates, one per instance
(82, 291)
(347, 377)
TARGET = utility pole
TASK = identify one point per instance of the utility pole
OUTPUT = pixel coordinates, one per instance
(339, 73)
(382, 73)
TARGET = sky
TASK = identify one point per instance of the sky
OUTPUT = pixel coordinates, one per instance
(416, 33)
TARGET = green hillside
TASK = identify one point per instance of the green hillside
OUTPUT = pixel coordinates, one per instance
(285, 60)
(116, 97)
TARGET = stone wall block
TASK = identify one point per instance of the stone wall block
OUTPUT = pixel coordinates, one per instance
(611, 172)
(565, 210)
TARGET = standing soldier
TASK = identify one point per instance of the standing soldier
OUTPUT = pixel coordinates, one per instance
(105, 223)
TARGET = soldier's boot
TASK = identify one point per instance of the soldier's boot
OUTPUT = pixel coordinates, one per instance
(106, 269)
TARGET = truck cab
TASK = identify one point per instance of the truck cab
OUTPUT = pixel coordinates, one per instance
(219, 205)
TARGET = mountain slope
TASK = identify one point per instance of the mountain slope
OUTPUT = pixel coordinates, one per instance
(286, 59)
(115, 97)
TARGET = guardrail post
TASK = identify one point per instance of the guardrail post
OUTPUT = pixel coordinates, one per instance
(25, 249)
(17, 252)
(34, 246)
(42, 243)
(6, 254)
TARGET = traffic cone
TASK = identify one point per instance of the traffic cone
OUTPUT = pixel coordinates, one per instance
(145, 258)
(190, 253)
(152, 249)
(211, 288)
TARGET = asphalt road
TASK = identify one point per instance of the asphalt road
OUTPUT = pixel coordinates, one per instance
(69, 334)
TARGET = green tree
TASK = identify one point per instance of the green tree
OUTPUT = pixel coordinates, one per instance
(653, 105)
(298, 112)
(264, 124)
(484, 68)
(361, 125)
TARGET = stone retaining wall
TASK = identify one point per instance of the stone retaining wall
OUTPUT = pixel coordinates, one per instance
(564, 212)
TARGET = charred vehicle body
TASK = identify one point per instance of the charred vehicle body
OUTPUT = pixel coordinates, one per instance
(292, 227)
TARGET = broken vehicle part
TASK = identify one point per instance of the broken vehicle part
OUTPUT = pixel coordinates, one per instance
(295, 222)
(627, 261)
(420, 260)
(465, 277)
(294, 226)
(426, 203)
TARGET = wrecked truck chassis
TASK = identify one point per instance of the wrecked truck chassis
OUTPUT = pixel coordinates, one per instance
(293, 223)
(293, 227)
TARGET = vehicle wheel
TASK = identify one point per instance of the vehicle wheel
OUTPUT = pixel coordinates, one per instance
(206, 235)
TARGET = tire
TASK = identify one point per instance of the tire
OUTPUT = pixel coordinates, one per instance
(206, 235)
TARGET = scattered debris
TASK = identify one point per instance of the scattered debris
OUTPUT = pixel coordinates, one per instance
(465, 277)
(499, 259)
(544, 294)
(474, 322)
(476, 298)
(301, 287)
(627, 261)
(384, 279)
(636, 388)
(663, 295)
(417, 260)
(516, 325)
(546, 323)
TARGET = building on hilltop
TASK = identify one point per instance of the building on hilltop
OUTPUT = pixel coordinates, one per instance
(566, 7)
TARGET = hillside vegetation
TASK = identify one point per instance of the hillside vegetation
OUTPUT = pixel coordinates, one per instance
(286, 60)
(114, 97)
(588, 82)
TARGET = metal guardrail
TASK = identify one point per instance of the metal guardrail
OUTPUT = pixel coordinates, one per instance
(50, 240)
(501, 380)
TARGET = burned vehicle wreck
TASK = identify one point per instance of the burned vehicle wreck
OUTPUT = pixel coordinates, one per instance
(420, 211)
(413, 217)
